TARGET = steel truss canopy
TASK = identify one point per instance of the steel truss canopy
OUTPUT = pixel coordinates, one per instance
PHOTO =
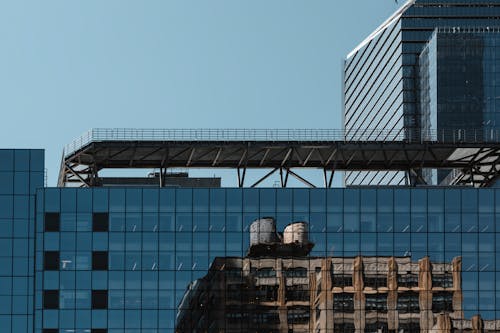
(474, 156)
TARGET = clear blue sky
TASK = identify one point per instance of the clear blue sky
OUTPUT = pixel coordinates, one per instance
(67, 66)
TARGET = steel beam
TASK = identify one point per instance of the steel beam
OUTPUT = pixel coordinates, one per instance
(473, 158)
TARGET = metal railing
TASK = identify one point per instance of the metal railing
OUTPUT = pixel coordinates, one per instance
(225, 135)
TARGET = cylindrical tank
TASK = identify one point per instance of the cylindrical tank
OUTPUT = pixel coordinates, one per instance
(296, 233)
(263, 231)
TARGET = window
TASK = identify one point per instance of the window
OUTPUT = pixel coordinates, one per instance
(340, 280)
(442, 280)
(408, 302)
(376, 327)
(298, 315)
(50, 330)
(99, 260)
(99, 299)
(51, 260)
(343, 302)
(52, 221)
(408, 280)
(99, 330)
(343, 327)
(100, 222)
(411, 327)
(376, 302)
(442, 302)
(298, 272)
(376, 281)
(266, 293)
(297, 293)
(51, 299)
(264, 272)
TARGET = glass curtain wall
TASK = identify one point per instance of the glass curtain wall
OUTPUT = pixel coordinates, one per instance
(21, 173)
(381, 75)
(125, 259)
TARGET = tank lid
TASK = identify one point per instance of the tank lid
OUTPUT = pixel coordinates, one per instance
(297, 222)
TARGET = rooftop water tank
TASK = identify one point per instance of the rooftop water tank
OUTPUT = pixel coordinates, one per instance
(296, 233)
(263, 231)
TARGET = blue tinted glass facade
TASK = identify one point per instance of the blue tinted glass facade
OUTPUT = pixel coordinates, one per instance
(460, 80)
(21, 173)
(124, 260)
(459, 83)
(381, 75)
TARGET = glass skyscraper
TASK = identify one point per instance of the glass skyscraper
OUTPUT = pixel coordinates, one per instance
(459, 83)
(21, 173)
(382, 77)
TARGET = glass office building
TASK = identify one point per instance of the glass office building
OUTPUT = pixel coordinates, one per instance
(143, 259)
(455, 95)
(124, 259)
(21, 173)
(459, 84)
(381, 76)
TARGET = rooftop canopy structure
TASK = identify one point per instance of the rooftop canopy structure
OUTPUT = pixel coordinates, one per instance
(473, 155)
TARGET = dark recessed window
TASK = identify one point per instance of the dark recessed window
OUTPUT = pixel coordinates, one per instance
(99, 330)
(100, 222)
(52, 221)
(99, 299)
(51, 260)
(50, 330)
(51, 299)
(100, 260)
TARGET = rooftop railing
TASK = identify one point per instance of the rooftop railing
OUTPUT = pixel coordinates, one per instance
(283, 135)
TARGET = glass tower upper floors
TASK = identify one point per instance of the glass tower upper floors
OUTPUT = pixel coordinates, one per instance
(121, 259)
(458, 84)
(459, 80)
(381, 75)
(395, 47)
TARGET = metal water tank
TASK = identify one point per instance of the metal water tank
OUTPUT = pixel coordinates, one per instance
(296, 233)
(263, 231)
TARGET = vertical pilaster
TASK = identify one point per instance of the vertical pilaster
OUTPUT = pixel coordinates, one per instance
(313, 288)
(477, 324)
(456, 272)
(282, 299)
(425, 294)
(359, 296)
(392, 294)
(443, 324)
(327, 295)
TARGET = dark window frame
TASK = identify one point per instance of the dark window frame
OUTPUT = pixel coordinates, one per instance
(99, 299)
(51, 299)
(100, 261)
(51, 260)
(100, 222)
(52, 222)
